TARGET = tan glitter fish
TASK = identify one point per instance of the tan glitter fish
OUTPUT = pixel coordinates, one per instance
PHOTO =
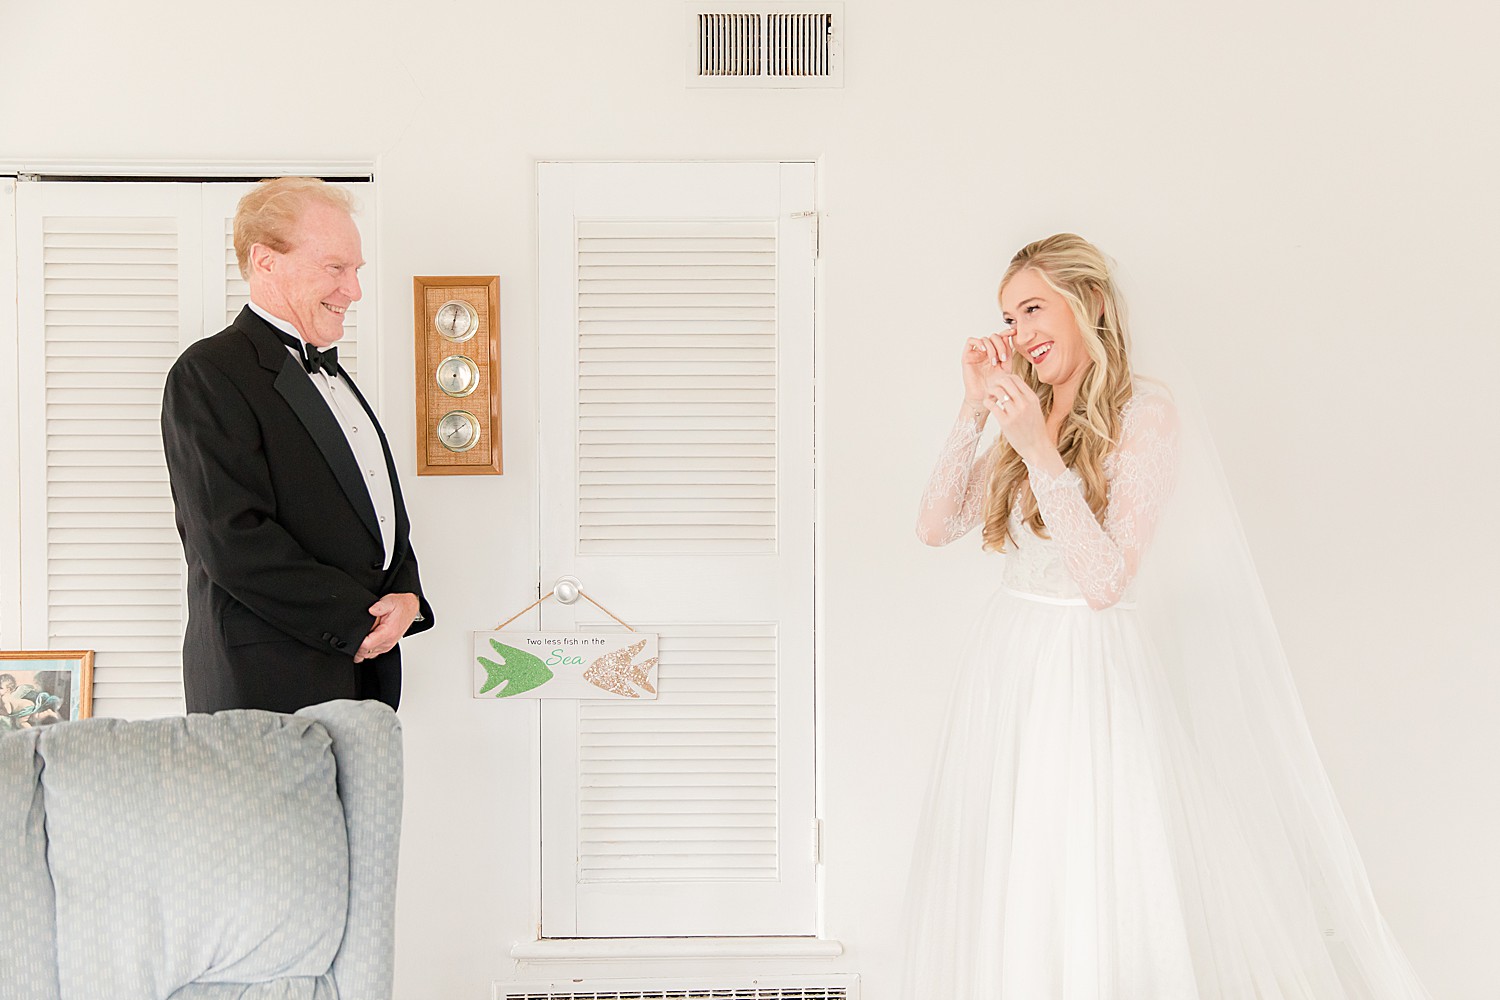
(613, 672)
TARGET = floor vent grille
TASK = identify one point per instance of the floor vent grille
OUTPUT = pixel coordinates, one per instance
(765, 44)
(775, 993)
(837, 987)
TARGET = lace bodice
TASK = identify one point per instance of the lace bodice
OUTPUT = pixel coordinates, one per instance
(1082, 558)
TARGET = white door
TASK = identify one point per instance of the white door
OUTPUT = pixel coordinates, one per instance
(108, 295)
(676, 312)
(113, 281)
(10, 459)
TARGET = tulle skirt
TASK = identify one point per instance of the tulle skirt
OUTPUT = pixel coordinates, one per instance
(1072, 848)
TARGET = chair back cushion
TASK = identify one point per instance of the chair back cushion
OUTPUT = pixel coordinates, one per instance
(206, 849)
(26, 915)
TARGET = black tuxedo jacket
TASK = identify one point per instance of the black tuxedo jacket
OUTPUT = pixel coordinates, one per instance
(283, 549)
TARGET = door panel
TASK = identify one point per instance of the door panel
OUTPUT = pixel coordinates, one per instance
(677, 485)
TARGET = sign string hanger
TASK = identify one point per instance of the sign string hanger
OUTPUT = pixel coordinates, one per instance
(567, 591)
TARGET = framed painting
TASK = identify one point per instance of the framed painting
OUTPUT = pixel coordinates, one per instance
(42, 688)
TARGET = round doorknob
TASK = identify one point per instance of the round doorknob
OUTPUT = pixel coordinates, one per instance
(567, 590)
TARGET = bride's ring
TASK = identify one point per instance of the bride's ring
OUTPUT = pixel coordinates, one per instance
(1002, 400)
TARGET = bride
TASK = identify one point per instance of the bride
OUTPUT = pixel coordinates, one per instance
(1126, 804)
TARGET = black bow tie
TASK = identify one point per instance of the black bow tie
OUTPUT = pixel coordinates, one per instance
(314, 360)
(326, 360)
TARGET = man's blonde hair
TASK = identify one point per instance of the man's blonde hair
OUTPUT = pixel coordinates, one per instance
(269, 213)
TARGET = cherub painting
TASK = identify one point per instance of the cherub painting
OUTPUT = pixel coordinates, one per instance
(44, 688)
(25, 704)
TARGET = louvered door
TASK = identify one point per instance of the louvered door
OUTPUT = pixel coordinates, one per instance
(108, 296)
(114, 279)
(677, 471)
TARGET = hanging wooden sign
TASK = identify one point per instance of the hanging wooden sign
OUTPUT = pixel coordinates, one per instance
(593, 665)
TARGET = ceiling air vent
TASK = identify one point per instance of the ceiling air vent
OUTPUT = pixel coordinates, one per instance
(765, 44)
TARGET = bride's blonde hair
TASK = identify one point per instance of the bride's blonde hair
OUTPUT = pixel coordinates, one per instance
(1075, 269)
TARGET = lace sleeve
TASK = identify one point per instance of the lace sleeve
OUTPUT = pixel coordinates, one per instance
(954, 498)
(1102, 560)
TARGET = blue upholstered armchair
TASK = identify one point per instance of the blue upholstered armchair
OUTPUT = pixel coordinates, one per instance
(238, 856)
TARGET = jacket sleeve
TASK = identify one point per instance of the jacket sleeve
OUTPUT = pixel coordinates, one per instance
(226, 515)
(407, 581)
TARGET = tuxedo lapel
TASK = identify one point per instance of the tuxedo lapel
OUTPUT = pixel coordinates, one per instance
(312, 410)
(295, 386)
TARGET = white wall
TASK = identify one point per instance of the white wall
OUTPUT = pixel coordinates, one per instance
(1303, 200)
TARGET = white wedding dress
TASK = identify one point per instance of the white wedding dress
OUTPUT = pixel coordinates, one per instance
(1076, 845)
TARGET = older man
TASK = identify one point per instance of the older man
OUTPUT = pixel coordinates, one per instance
(301, 579)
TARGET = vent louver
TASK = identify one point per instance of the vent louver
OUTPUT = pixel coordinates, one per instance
(765, 45)
(729, 45)
(798, 44)
(708, 993)
(837, 987)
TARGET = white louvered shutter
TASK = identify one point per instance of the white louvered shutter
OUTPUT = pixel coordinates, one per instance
(676, 386)
(686, 789)
(115, 279)
(677, 472)
(108, 296)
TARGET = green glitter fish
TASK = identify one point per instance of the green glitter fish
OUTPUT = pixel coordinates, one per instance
(518, 670)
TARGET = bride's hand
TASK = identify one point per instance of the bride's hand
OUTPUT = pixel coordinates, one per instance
(1018, 412)
(982, 357)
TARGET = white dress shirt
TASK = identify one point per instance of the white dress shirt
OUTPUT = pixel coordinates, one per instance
(359, 429)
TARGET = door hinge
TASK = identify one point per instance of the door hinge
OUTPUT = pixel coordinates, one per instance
(817, 841)
(816, 247)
